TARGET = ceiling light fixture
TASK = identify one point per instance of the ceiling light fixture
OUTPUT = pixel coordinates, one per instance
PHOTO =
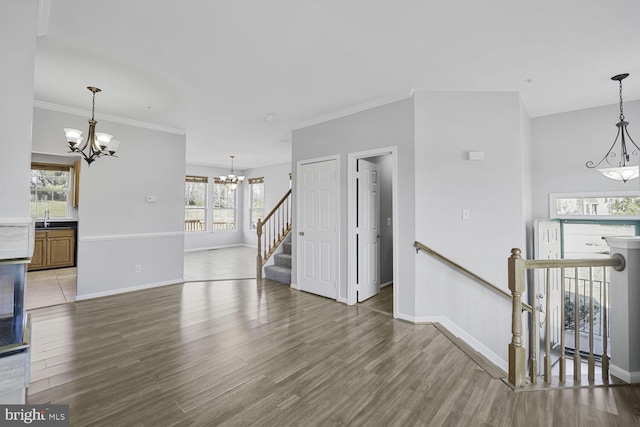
(231, 180)
(98, 144)
(623, 171)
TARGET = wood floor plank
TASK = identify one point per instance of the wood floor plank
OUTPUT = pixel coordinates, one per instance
(243, 352)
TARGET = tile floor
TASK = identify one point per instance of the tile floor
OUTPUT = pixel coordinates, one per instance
(50, 287)
(238, 262)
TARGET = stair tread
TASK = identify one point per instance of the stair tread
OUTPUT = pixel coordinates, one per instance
(277, 268)
(278, 273)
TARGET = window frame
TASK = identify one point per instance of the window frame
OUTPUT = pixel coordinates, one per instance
(252, 182)
(69, 191)
(599, 194)
(217, 181)
(197, 180)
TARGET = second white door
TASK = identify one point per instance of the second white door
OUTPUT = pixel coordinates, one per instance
(368, 230)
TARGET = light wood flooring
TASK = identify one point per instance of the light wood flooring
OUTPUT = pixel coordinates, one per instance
(240, 353)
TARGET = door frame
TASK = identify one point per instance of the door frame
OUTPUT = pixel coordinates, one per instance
(336, 195)
(352, 249)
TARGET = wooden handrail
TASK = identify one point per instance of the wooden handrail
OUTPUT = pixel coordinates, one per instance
(616, 261)
(276, 231)
(469, 274)
(270, 214)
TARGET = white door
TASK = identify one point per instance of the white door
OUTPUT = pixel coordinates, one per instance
(548, 245)
(317, 228)
(368, 230)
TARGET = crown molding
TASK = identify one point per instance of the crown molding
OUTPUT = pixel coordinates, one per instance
(355, 109)
(115, 119)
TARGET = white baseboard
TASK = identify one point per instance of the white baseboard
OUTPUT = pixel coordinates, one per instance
(343, 300)
(462, 334)
(294, 286)
(130, 289)
(386, 284)
(626, 376)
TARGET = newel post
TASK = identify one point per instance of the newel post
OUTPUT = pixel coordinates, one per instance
(517, 356)
(259, 257)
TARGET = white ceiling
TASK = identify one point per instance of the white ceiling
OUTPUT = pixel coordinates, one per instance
(216, 68)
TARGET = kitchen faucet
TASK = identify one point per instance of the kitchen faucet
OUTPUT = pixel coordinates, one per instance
(46, 218)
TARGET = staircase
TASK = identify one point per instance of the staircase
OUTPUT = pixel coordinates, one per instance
(273, 232)
(280, 271)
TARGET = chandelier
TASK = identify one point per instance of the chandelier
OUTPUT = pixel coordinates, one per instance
(231, 180)
(97, 144)
(620, 170)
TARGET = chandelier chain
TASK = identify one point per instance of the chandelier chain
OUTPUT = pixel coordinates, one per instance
(621, 112)
(93, 106)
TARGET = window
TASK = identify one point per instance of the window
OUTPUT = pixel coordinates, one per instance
(50, 190)
(614, 205)
(224, 206)
(256, 202)
(195, 203)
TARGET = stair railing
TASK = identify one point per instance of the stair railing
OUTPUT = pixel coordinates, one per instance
(517, 268)
(272, 230)
(460, 269)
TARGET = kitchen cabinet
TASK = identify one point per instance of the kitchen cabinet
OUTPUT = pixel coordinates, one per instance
(53, 248)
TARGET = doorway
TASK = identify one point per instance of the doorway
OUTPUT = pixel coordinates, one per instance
(372, 245)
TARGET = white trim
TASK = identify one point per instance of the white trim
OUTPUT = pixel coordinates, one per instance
(351, 225)
(626, 376)
(115, 119)
(131, 236)
(294, 286)
(129, 289)
(16, 221)
(294, 228)
(355, 109)
(342, 300)
(384, 285)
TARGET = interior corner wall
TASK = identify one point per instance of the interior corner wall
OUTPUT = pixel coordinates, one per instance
(562, 145)
(276, 184)
(18, 21)
(117, 228)
(448, 126)
(527, 179)
(384, 126)
(209, 239)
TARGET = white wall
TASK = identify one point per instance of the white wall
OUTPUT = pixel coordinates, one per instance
(384, 126)
(276, 184)
(117, 228)
(448, 125)
(18, 45)
(563, 143)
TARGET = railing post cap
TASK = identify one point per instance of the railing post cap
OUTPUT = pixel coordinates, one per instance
(516, 253)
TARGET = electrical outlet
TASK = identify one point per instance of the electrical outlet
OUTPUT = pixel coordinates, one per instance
(138, 268)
